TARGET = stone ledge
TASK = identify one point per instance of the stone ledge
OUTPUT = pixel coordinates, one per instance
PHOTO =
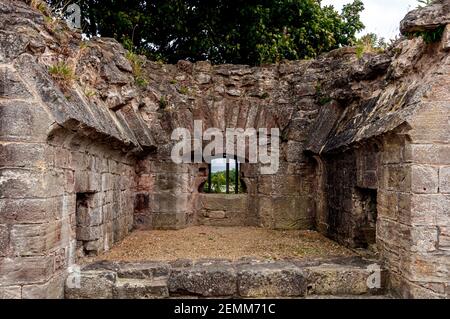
(243, 278)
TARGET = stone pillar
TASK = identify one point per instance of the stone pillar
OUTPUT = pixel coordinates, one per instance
(33, 205)
(164, 195)
(414, 206)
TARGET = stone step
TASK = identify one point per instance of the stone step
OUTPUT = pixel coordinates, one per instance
(246, 278)
(126, 288)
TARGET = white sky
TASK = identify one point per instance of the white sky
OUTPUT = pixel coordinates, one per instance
(380, 16)
(220, 164)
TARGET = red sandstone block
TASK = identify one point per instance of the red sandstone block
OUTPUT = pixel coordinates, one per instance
(35, 239)
(4, 240)
(51, 289)
(424, 179)
(444, 180)
(25, 270)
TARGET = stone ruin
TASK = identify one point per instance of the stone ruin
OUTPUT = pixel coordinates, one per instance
(365, 150)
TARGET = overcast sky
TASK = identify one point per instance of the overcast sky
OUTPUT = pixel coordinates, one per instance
(380, 16)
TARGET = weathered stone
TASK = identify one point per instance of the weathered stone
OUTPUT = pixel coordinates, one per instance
(214, 279)
(4, 240)
(169, 203)
(341, 280)
(52, 289)
(126, 288)
(444, 180)
(231, 203)
(93, 285)
(89, 233)
(215, 214)
(25, 270)
(11, 86)
(169, 220)
(444, 238)
(21, 121)
(13, 292)
(446, 38)
(143, 270)
(428, 18)
(271, 280)
(424, 179)
(35, 239)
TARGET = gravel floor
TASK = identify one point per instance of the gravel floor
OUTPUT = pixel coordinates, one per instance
(223, 242)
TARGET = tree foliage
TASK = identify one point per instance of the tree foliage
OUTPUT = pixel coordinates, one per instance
(223, 31)
(219, 180)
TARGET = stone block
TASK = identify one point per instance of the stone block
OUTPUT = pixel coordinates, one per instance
(410, 290)
(420, 239)
(93, 285)
(256, 280)
(215, 214)
(22, 183)
(168, 167)
(95, 246)
(12, 292)
(169, 220)
(107, 181)
(12, 87)
(387, 230)
(35, 239)
(388, 204)
(169, 203)
(21, 121)
(209, 279)
(398, 177)
(286, 212)
(25, 155)
(446, 38)
(34, 210)
(425, 267)
(4, 240)
(87, 217)
(435, 154)
(89, 233)
(444, 238)
(25, 270)
(169, 182)
(202, 78)
(79, 161)
(424, 179)
(339, 280)
(224, 202)
(126, 288)
(295, 151)
(63, 157)
(444, 180)
(424, 209)
(143, 270)
(52, 289)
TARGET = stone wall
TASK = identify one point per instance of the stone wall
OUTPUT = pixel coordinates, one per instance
(364, 140)
(66, 165)
(415, 204)
(224, 210)
(234, 96)
(165, 194)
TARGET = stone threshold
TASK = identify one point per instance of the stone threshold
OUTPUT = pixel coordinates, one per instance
(245, 278)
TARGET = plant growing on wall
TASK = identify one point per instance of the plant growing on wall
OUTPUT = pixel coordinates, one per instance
(63, 74)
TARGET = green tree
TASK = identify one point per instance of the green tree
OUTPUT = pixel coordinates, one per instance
(223, 31)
